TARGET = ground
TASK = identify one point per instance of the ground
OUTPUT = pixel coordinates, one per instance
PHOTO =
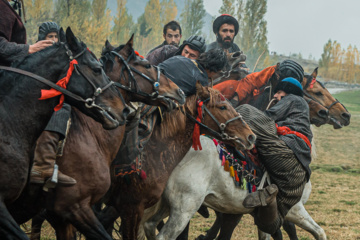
(334, 202)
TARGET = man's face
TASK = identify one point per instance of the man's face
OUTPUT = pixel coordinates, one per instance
(172, 37)
(190, 53)
(279, 95)
(226, 35)
(52, 36)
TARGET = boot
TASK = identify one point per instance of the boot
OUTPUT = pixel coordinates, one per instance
(268, 218)
(261, 197)
(44, 160)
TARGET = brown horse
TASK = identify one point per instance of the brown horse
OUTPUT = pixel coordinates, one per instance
(24, 116)
(89, 150)
(168, 145)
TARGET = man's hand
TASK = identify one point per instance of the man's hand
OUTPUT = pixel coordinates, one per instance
(40, 45)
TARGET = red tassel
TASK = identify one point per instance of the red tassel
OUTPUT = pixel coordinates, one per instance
(143, 175)
(236, 176)
(196, 134)
(253, 188)
(223, 161)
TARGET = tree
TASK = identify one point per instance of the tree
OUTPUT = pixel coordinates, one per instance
(192, 18)
(122, 24)
(168, 11)
(325, 59)
(227, 7)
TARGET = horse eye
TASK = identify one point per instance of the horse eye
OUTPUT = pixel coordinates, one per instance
(223, 107)
(147, 66)
(97, 70)
(318, 94)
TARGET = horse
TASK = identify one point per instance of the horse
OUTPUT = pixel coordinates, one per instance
(215, 197)
(166, 147)
(89, 150)
(24, 116)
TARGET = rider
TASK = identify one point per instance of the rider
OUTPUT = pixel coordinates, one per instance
(13, 36)
(225, 27)
(52, 138)
(172, 35)
(191, 48)
(284, 148)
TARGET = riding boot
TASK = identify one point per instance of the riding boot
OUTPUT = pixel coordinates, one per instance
(268, 218)
(44, 160)
(261, 197)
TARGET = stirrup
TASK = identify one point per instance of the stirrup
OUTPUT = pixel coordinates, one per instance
(52, 182)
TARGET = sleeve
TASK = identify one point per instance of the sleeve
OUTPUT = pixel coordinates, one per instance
(11, 51)
(280, 110)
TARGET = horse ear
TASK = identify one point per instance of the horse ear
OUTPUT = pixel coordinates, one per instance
(314, 73)
(108, 45)
(201, 91)
(128, 48)
(62, 36)
(130, 43)
(71, 40)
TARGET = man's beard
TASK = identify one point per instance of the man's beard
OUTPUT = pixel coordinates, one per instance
(224, 44)
(174, 44)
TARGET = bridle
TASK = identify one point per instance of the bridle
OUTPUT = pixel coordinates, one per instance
(89, 102)
(222, 126)
(132, 81)
(313, 81)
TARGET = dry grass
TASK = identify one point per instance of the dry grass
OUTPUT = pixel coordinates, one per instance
(335, 200)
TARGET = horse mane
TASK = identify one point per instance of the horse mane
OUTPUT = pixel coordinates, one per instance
(174, 122)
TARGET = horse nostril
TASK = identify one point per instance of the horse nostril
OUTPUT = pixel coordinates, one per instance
(346, 116)
(126, 112)
(251, 138)
(235, 54)
(323, 113)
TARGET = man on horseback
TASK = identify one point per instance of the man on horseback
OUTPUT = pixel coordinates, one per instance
(191, 48)
(225, 27)
(13, 35)
(52, 138)
(172, 35)
(284, 148)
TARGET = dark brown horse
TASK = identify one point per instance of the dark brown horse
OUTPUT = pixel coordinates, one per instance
(89, 150)
(24, 116)
(167, 146)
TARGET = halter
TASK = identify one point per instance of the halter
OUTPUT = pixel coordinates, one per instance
(132, 80)
(222, 126)
(89, 102)
(313, 81)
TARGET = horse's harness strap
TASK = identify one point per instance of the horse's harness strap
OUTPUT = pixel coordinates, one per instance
(45, 81)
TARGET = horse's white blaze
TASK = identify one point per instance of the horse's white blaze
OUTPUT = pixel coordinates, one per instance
(200, 179)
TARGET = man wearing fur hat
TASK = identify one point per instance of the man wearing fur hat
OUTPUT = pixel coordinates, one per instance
(284, 147)
(225, 27)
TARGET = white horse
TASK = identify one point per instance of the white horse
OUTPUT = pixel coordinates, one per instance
(200, 179)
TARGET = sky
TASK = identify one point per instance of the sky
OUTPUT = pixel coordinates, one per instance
(305, 26)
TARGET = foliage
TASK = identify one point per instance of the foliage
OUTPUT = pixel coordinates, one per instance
(123, 23)
(192, 18)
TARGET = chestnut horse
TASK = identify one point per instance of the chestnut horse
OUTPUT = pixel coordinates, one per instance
(89, 150)
(24, 116)
(167, 146)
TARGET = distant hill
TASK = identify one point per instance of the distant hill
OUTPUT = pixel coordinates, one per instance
(137, 7)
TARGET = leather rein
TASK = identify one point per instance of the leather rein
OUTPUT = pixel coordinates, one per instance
(89, 102)
(222, 126)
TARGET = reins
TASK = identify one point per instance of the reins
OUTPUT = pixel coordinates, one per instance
(132, 81)
(89, 102)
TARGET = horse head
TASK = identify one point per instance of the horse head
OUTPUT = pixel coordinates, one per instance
(315, 90)
(319, 115)
(141, 81)
(221, 119)
(104, 102)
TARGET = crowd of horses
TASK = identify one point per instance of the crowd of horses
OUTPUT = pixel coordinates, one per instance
(100, 93)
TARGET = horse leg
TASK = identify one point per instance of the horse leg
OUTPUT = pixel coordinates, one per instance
(228, 225)
(214, 230)
(290, 229)
(302, 218)
(263, 235)
(152, 223)
(9, 229)
(277, 235)
(130, 220)
(107, 217)
(36, 224)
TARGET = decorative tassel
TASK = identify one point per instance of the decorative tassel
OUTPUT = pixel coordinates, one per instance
(196, 134)
(227, 166)
(223, 161)
(143, 175)
(215, 142)
(243, 186)
(221, 154)
(249, 187)
(232, 171)
(253, 188)
(236, 177)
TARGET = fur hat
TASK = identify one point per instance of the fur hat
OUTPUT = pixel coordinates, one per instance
(225, 18)
(46, 28)
(290, 86)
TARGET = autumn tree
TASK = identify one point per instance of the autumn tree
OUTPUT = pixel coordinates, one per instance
(192, 18)
(325, 59)
(123, 24)
(228, 7)
(168, 11)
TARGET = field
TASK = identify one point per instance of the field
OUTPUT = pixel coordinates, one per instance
(335, 200)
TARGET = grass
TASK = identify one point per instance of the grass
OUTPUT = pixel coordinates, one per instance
(335, 200)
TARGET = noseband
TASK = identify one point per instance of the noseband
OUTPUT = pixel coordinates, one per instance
(222, 126)
(132, 81)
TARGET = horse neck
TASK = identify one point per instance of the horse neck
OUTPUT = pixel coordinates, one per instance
(23, 115)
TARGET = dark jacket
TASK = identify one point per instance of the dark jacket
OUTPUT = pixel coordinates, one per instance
(161, 54)
(184, 72)
(12, 35)
(161, 45)
(215, 45)
(293, 111)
